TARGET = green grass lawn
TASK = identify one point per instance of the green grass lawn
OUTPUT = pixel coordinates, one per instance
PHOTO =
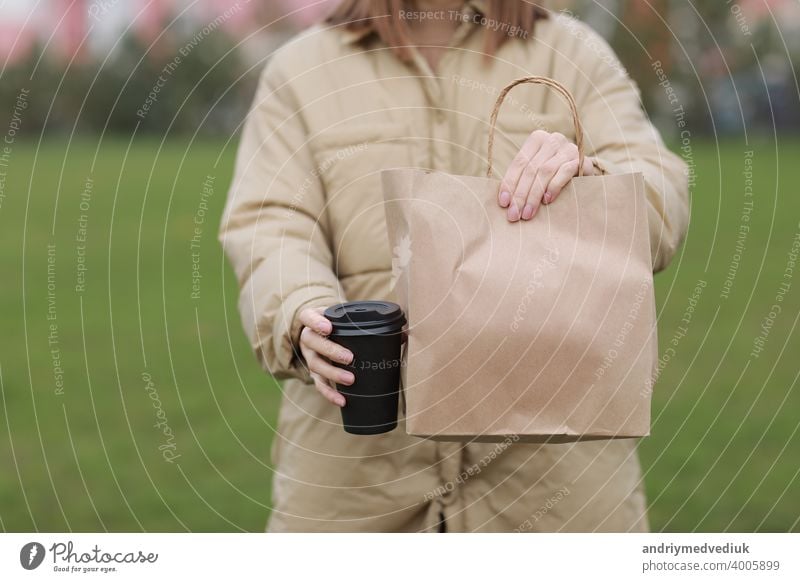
(85, 453)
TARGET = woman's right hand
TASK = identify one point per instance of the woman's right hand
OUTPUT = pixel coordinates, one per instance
(317, 350)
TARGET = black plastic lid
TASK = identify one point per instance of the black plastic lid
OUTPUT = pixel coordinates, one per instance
(357, 317)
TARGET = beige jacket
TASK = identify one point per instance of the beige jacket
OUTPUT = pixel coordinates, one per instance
(304, 226)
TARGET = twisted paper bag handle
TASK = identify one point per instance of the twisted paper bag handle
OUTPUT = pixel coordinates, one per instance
(537, 81)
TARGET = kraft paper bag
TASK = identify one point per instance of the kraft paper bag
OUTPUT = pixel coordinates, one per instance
(543, 329)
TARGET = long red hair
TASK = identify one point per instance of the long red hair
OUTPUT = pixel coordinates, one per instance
(383, 18)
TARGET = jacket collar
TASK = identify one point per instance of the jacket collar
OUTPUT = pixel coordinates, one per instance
(353, 36)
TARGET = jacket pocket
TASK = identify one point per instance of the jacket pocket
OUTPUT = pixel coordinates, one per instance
(349, 161)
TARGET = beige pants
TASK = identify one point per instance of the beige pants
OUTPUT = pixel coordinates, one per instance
(328, 480)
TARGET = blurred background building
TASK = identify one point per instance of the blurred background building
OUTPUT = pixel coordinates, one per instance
(80, 29)
(719, 56)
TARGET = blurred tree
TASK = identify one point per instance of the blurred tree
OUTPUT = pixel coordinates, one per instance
(189, 74)
(40, 77)
(729, 63)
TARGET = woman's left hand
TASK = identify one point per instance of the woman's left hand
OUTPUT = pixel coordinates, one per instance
(545, 164)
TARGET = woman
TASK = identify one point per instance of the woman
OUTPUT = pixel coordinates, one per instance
(390, 83)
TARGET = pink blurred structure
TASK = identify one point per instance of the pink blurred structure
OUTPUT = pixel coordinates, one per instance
(70, 20)
(303, 13)
(65, 25)
(152, 16)
(60, 24)
(16, 40)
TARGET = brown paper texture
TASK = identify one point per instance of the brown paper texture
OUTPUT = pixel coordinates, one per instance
(543, 329)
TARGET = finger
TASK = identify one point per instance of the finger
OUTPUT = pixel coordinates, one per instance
(328, 371)
(548, 149)
(518, 165)
(560, 180)
(329, 393)
(543, 166)
(520, 197)
(547, 170)
(313, 318)
(588, 167)
(325, 347)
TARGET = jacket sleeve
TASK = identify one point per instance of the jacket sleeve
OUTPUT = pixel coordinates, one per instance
(622, 138)
(273, 228)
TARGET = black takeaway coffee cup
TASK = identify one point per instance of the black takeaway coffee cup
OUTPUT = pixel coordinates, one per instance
(373, 332)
